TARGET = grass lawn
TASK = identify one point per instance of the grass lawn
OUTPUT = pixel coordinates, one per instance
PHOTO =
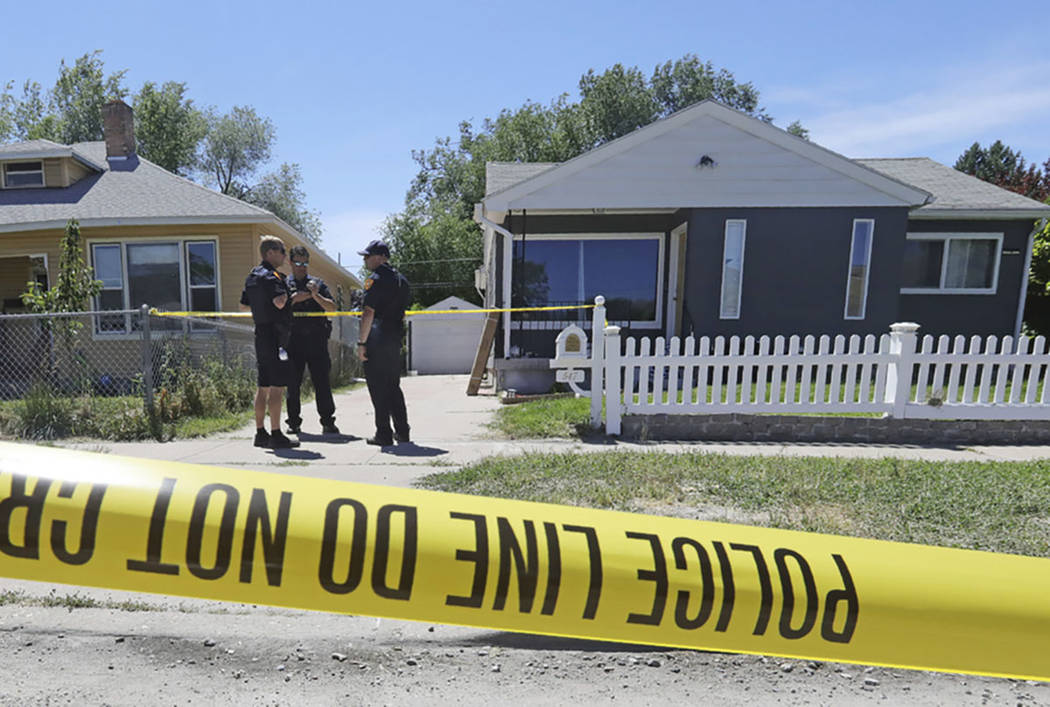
(1000, 507)
(557, 417)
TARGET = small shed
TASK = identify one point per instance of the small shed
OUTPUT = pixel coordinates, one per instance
(445, 343)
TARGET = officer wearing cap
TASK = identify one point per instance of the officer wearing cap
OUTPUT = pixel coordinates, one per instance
(387, 295)
(267, 296)
(309, 343)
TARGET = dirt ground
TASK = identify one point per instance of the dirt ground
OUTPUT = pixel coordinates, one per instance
(142, 649)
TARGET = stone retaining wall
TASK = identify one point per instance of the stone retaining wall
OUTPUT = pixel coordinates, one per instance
(796, 428)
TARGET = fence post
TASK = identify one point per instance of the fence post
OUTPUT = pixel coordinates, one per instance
(898, 373)
(597, 360)
(613, 406)
(147, 359)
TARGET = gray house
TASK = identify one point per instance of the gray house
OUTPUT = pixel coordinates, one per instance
(712, 222)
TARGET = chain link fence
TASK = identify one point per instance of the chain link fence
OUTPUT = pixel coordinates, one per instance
(125, 374)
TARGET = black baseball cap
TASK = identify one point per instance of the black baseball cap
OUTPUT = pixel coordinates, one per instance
(376, 247)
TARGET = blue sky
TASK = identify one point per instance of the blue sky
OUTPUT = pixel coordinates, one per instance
(354, 87)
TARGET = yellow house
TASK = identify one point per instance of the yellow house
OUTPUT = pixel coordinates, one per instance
(152, 237)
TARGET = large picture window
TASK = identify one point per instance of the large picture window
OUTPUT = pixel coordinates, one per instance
(942, 263)
(168, 275)
(626, 269)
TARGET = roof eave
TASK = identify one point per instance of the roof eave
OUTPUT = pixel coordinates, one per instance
(931, 214)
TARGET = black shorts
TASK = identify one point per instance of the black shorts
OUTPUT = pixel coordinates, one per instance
(273, 372)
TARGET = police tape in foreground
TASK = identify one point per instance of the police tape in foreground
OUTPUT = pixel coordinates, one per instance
(235, 535)
(357, 313)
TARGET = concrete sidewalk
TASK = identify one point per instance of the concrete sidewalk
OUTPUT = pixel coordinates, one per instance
(450, 430)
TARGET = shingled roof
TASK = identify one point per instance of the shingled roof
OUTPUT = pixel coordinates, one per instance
(955, 192)
(132, 192)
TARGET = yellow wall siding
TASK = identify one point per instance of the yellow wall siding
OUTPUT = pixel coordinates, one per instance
(54, 175)
(76, 171)
(238, 251)
(35, 243)
(14, 273)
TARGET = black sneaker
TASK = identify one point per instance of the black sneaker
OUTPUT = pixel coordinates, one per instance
(279, 441)
(329, 429)
(402, 438)
(374, 441)
(294, 429)
(262, 438)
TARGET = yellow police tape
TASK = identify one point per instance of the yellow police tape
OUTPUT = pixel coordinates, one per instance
(263, 538)
(411, 313)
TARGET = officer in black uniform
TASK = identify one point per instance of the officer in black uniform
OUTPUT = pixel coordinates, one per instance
(387, 294)
(309, 344)
(267, 296)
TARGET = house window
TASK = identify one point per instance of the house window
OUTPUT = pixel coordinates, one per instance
(733, 268)
(23, 174)
(109, 268)
(859, 264)
(627, 269)
(939, 263)
(167, 275)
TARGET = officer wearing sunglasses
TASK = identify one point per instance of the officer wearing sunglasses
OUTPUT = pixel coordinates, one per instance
(309, 343)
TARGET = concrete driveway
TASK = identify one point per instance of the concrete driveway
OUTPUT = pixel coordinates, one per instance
(450, 429)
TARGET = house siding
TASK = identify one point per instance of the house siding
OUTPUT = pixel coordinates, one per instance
(54, 174)
(982, 315)
(237, 250)
(795, 269)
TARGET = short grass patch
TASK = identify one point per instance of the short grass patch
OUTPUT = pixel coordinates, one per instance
(1000, 507)
(558, 417)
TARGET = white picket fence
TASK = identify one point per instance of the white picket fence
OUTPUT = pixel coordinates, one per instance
(896, 374)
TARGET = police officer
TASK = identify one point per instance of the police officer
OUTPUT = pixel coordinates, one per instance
(309, 344)
(267, 296)
(387, 294)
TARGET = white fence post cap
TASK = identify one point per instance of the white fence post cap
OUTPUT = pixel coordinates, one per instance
(599, 300)
(904, 327)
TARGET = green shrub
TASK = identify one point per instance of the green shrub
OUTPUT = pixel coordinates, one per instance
(44, 414)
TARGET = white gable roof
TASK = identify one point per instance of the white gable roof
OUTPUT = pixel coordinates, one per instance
(657, 167)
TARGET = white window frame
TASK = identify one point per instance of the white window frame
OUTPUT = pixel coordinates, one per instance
(43, 177)
(947, 238)
(187, 298)
(867, 269)
(740, 283)
(656, 323)
(181, 242)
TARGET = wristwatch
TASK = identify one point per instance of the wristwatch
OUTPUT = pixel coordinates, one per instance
(362, 343)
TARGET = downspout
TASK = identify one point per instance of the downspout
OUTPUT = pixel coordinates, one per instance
(1040, 225)
(479, 217)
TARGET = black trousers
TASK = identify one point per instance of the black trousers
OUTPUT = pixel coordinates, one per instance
(383, 375)
(310, 352)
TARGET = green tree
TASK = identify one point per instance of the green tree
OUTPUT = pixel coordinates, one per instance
(30, 117)
(451, 175)
(168, 127)
(76, 283)
(1005, 167)
(236, 145)
(281, 193)
(79, 94)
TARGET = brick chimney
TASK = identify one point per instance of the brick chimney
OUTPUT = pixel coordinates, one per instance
(118, 125)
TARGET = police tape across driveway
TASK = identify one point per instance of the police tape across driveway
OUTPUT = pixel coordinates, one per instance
(357, 313)
(263, 538)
